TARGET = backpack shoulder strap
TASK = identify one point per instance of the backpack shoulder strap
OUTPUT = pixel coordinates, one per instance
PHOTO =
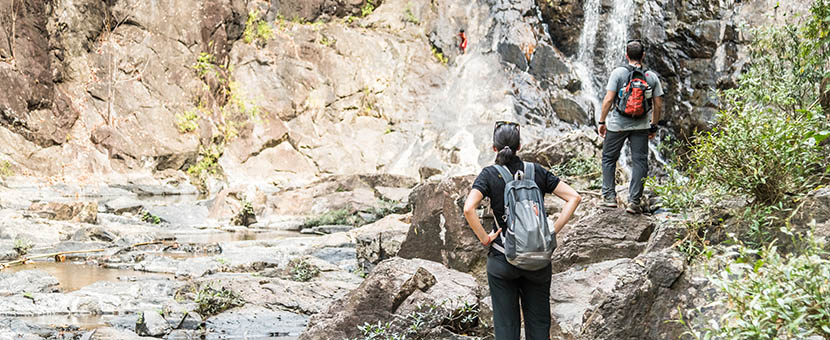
(530, 171)
(505, 174)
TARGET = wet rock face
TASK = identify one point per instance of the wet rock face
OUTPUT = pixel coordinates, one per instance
(439, 231)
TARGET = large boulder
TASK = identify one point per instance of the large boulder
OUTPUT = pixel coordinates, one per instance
(380, 240)
(395, 287)
(613, 299)
(439, 231)
(352, 193)
(601, 236)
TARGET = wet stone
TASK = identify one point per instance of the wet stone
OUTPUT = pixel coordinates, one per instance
(152, 323)
(27, 281)
(255, 321)
(326, 229)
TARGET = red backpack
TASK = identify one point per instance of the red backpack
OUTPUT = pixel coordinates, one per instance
(631, 99)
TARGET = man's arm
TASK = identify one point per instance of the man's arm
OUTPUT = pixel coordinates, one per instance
(657, 111)
(606, 107)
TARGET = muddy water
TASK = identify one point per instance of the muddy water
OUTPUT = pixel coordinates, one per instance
(74, 276)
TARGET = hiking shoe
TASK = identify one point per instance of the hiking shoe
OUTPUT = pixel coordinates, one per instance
(634, 208)
(609, 202)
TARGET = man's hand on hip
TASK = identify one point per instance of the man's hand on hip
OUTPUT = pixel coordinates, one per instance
(601, 130)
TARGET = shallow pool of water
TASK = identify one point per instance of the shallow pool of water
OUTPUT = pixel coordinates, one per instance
(221, 236)
(82, 321)
(73, 276)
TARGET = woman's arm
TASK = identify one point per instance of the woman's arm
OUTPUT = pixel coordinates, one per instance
(572, 200)
(470, 206)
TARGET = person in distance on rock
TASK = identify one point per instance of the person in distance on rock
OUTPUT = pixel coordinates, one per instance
(631, 93)
(511, 286)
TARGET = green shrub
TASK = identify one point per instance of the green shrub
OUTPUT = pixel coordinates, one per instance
(333, 217)
(204, 63)
(188, 121)
(409, 16)
(439, 56)
(6, 169)
(368, 8)
(766, 143)
(22, 246)
(302, 271)
(762, 153)
(766, 295)
(463, 319)
(256, 30)
(211, 301)
(150, 218)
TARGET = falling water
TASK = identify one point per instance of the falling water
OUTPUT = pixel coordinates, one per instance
(584, 64)
(617, 33)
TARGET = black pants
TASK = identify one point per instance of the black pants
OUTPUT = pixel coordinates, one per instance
(510, 285)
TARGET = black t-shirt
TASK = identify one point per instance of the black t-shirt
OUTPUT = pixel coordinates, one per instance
(491, 185)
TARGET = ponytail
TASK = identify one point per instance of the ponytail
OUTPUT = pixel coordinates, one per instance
(506, 141)
(505, 155)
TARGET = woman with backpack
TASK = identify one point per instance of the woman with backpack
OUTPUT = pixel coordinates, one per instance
(518, 263)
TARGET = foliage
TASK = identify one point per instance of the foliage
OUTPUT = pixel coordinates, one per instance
(580, 165)
(6, 169)
(208, 164)
(204, 63)
(771, 296)
(760, 152)
(464, 319)
(212, 301)
(439, 56)
(187, 122)
(150, 218)
(256, 30)
(22, 246)
(368, 8)
(302, 271)
(326, 41)
(766, 143)
(333, 217)
(409, 15)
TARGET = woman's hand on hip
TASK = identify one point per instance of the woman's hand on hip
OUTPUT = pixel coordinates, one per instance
(491, 237)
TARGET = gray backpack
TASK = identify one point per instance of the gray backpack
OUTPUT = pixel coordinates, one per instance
(528, 242)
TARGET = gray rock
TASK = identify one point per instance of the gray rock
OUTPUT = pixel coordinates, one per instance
(123, 205)
(395, 287)
(439, 231)
(27, 281)
(151, 323)
(380, 240)
(85, 212)
(604, 235)
(255, 321)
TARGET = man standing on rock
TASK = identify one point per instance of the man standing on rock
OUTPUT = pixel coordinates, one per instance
(631, 93)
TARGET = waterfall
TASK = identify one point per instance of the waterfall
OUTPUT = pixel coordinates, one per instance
(584, 63)
(617, 33)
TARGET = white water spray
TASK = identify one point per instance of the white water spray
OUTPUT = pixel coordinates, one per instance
(584, 63)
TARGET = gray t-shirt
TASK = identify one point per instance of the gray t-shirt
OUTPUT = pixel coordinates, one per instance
(618, 80)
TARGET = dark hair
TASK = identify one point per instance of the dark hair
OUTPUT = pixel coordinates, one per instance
(506, 141)
(634, 50)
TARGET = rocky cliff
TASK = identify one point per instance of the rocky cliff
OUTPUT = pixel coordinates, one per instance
(287, 91)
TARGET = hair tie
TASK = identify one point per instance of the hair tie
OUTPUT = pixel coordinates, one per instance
(506, 147)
